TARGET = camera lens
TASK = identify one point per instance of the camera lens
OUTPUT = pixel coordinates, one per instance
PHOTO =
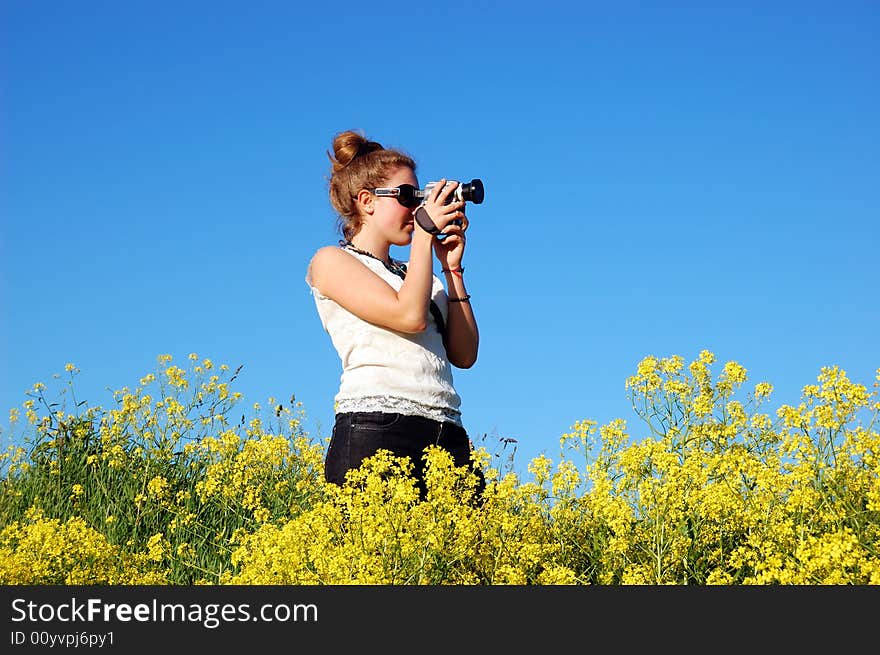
(473, 191)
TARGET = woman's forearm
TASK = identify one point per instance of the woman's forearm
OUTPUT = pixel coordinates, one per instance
(416, 289)
(463, 336)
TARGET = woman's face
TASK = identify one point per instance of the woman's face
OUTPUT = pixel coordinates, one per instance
(391, 220)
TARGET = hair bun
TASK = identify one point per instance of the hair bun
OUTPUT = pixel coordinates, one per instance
(348, 146)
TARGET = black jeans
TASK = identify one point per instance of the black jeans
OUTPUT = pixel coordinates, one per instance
(358, 435)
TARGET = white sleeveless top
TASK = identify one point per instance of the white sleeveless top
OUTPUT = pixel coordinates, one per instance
(388, 371)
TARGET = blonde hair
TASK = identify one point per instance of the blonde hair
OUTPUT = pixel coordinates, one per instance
(357, 163)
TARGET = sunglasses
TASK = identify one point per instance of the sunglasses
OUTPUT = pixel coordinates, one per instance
(406, 194)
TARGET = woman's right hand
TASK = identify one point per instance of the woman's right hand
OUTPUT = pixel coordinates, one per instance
(441, 213)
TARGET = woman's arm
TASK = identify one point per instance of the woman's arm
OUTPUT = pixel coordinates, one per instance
(344, 279)
(462, 334)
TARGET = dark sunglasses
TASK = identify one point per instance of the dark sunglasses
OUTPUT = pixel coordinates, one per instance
(406, 194)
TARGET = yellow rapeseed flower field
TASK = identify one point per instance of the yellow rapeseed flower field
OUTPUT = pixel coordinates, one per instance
(713, 488)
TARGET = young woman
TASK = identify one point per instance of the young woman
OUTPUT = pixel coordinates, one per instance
(397, 329)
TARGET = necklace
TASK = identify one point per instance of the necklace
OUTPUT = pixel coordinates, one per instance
(392, 265)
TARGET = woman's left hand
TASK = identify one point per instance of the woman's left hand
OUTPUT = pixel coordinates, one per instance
(450, 250)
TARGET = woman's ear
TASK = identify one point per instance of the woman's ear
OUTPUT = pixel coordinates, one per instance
(365, 201)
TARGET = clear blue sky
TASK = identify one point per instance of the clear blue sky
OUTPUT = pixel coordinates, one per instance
(661, 178)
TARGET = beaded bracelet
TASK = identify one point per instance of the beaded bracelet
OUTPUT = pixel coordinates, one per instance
(467, 298)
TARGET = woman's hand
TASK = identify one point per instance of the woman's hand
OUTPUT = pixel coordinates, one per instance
(450, 250)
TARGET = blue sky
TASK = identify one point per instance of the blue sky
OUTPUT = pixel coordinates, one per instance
(661, 178)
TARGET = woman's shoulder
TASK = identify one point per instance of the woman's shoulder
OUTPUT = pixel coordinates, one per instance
(324, 259)
(325, 253)
(328, 261)
(331, 255)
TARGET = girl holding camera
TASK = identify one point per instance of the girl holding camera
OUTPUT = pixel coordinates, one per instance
(397, 328)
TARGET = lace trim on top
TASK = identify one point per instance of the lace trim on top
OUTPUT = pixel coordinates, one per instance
(393, 405)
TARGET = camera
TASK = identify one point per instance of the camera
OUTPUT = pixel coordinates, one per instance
(468, 191)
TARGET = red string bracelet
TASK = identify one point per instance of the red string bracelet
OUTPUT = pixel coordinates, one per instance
(456, 271)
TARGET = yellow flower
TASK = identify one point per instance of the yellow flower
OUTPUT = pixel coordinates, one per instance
(185, 550)
(702, 405)
(763, 389)
(540, 468)
(735, 373)
(158, 487)
(158, 547)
